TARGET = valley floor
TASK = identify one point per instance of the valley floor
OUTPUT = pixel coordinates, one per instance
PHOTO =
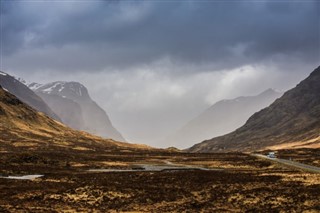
(237, 182)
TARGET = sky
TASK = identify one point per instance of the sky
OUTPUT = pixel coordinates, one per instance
(154, 65)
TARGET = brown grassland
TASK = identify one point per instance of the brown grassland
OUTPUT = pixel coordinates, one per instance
(243, 183)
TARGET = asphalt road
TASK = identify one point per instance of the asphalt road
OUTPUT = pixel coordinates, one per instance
(291, 163)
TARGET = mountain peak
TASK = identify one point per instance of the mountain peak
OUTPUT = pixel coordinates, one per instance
(221, 118)
(269, 91)
(73, 90)
(290, 121)
(74, 105)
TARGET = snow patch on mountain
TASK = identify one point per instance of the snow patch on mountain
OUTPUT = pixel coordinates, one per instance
(89, 117)
(51, 88)
(61, 88)
(34, 86)
(4, 74)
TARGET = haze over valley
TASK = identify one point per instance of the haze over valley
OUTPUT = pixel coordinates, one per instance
(153, 71)
(159, 106)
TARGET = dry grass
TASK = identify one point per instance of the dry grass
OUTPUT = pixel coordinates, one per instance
(313, 143)
(246, 184)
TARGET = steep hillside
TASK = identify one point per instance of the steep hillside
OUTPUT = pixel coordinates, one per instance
(69, 111)
(25, 94)
(72, 103)
(292, 121)
(23, 128)
(221, 118)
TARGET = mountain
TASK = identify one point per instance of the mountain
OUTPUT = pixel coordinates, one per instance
(72, 103)
(292, 121)
(221, 118)
(23, 128)
(68, 110)
(21, 91)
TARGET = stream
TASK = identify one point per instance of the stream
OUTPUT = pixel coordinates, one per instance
(23, 177)
(168, 166)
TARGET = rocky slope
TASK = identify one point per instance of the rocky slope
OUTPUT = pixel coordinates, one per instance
(292, 121)
(221, 118)
(72, 103)
(15, 87)
(23, 128)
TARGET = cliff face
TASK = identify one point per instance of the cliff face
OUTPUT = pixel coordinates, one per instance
(73, 104)
(291, 121)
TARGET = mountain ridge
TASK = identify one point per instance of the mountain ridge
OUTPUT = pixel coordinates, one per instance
(222, 117)
(293, 119)
(72, 102)
(23, 128)
(21, 91)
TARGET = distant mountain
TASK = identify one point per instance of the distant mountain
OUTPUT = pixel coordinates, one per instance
(292, 121)
(72, 103)
(15, 87)
(221, 118)
(23, 128)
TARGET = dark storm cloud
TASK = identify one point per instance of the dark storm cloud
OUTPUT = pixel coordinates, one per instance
(96, 35)
(176, 57)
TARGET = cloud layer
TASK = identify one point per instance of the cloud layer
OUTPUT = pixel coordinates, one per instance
(84, 35)
(155, 64)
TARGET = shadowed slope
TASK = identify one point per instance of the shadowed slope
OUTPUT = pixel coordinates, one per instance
(221, 118)
(25, 94)
(292, 121)
(23, 128)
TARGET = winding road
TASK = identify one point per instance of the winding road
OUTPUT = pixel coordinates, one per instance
(291, 163)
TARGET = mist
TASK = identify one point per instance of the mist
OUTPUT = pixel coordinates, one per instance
(154, 66)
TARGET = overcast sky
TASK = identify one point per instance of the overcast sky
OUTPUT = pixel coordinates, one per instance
(153, 65)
